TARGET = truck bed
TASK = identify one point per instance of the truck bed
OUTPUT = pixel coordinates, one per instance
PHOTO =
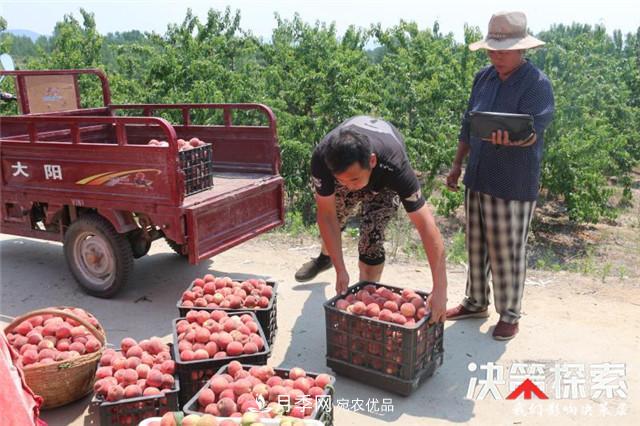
(225, 184)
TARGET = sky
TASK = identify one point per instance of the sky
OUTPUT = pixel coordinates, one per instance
(258, 15)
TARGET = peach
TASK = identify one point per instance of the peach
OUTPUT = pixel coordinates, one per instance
(206, 397)
(151, 391)
(78, 347)
(143, 370)
(154, 378)
(227, 393)
(132, 391)
(250, 348)
(132, 362)
(211, 348)
(241, 387)
(134, 351)
(302, 384)
(408, 310)
(156, 346)
(115, 393)
(103, 372)
(213, 410)
(45, 344)
(296, 372)
(63, 331)
(276, 390)
(167, 381)
(218, 384)
(63, 345)
(129, 376)
(30, 356)
(202, 316)
(46, 353)
(202, 335)
(386, 315)
(234, 367)
(24, 327)
(267, 292)
(168, 367)
(359, 308)
(49, 329)
(373, 310)
(391, 306)
(226, 407)
(18, 341)
(192, 316)
(235, 349)
(342, 304)
(201, 354)
(190, 336)
(36, 321)
(274, 381)
(399, 318)
(78, 331)
(33, 337)
(323, 380)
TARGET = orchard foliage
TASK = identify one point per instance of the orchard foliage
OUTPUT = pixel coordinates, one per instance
(419, 79)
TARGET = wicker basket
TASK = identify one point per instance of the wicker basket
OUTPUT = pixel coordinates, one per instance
(62, 382)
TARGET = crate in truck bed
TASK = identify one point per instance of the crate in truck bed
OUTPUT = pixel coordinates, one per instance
(197, 165)
(383, 354)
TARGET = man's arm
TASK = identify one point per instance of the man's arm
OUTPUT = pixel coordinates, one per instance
(331, 236)
(434, 248)
(456, 168)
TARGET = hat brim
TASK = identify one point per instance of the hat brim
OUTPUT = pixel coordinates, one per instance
(529, 42)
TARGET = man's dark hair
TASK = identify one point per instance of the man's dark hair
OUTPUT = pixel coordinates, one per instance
(346, 148)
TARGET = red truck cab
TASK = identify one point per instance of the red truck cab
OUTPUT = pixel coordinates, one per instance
(89, 178)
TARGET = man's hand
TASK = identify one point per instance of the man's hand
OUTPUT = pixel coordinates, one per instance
(453, 176)
(342, 281)
(437, 303)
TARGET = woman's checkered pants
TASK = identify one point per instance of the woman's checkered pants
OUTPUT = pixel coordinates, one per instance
(496, 242)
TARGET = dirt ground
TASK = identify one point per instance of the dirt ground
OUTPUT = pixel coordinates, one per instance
(567, 318)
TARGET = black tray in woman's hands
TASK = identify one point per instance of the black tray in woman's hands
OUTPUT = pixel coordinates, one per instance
(519, 126)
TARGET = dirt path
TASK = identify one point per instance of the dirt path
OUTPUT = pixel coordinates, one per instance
(568, 318)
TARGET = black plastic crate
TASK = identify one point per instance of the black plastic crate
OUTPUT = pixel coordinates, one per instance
(324, 416)
(133, 410)
(194, 374)
(383, 354)
(197, 165)
(267, 317)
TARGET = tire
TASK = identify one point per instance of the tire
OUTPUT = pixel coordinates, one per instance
(178, 248)
(140, 246)
(93, 235)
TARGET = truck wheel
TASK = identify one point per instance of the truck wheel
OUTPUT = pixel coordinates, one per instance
(99, 258)
(180, 249)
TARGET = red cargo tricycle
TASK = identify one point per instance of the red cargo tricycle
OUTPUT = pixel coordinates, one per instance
(89, 178)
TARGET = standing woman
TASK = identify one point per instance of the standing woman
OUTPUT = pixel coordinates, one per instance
(502, 176)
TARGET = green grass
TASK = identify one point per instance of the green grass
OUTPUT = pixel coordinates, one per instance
(457, 250)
